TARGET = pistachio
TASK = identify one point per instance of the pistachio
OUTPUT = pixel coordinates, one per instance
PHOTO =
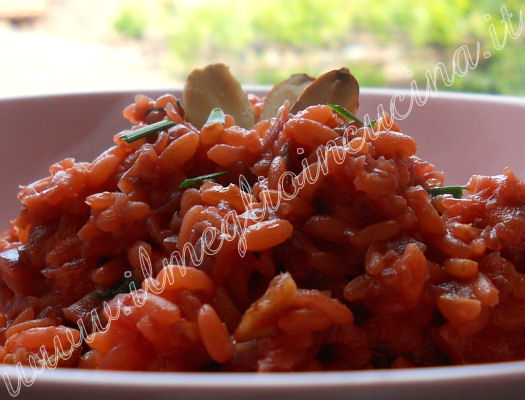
(289, 89)
(335, 87)
(215, 87)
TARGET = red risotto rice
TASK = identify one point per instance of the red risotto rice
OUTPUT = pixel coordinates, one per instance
(358, 268)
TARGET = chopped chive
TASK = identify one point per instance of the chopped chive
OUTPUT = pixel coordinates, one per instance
(148, 130)
(122, 287)
(343, 112)
(199, 179)
(455, 191)
(216, 115)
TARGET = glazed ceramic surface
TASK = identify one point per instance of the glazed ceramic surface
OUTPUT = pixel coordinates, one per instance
(461, 134)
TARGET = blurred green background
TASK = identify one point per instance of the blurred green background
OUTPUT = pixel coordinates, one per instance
(384, 42)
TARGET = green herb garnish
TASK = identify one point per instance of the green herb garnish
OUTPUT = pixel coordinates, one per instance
(148, 130)
(199, 179)
(122, 287)
(216, 115)
(343, 112)
(455, 191)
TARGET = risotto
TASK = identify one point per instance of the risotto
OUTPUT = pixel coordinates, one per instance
(262, 237)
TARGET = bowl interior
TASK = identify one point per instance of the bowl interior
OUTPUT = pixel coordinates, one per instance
(461, 134)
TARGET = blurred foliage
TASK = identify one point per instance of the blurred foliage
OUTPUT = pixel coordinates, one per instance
(423, 23)
(302, 23)
(208, 29)
(131, 21)
(265, 41)
(503, 74)
(368, 74)
(271, 75)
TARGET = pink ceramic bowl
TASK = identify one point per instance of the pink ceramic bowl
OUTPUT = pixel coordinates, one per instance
(462, 134)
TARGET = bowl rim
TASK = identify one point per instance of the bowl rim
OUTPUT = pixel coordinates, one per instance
(419, 376)
(262, 89)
